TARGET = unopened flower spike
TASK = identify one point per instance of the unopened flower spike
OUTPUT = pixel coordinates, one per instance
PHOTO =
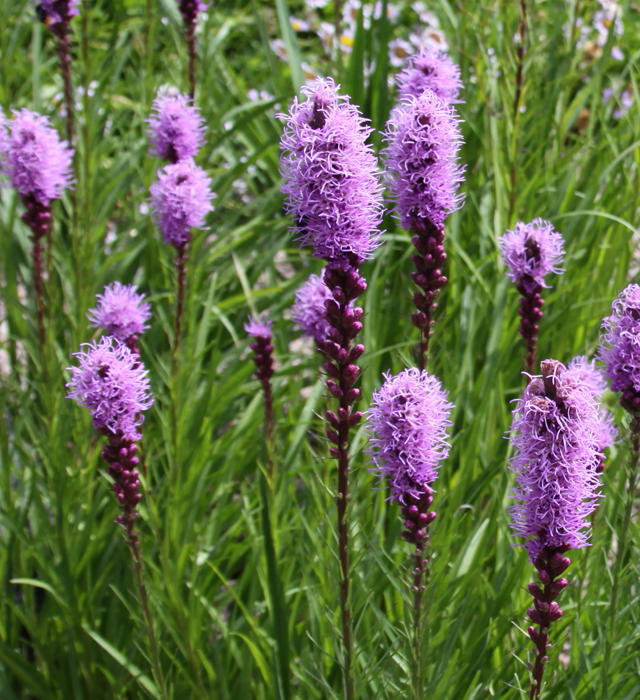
(531, 252)
(334, 195)
(259, 329)
(423, 175)
(176, 128)
(558, 454)
(190, 10)
(122, 313)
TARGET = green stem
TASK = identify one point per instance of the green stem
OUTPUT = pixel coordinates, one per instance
(632, 475)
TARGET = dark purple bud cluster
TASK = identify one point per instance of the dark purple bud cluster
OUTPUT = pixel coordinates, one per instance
(429, 262)
(120, 455)
(417, 518)
(530, 311)
(189, 9)
(345, 322)
(551, 564)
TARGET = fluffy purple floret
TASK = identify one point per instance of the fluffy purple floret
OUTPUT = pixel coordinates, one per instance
(309, 308)
(433, 70)
(180, 200)
(259, 327)
(557, 438)
(35, 160)
(532, 251)
(424, 175)
(112, 383)
(330, 175)
(620, 343)
(121, 311)
(176, 128)
(408, 422)
(57, 11)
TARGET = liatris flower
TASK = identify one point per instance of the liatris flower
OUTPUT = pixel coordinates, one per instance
(557, 458)
(112, 383)
(620, 347)
(329, 175)
(530, 252)
(38, 165)
(432, 70)
(57, 15)
(176, 128)
(122, 313)
(190, 9)
(330, 179)
(423, 137)
(408, 422)
(180, 200)
(260, 330)
(310, 308)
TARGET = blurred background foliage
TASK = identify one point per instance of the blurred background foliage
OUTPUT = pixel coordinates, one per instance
(242, 571)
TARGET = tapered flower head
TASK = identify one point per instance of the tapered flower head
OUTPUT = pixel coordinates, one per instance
(330, 175)
(557, 438)
(408, 422)
(112, 383)
(424, 175)
(181, 199)
(259, 327)
(190, 9)
(309, 309)
(176, 128)
(532, 251)
(620, 345)
(433, 70)
(54, 12)
(35, 160)
(121, 311)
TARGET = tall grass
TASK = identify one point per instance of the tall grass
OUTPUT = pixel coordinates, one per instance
(241, 569)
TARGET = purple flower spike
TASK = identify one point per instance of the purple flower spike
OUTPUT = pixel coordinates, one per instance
(408, 422)
(176, 128)
(557, 437)
(37, 163)
(180, 199)
(310, 308)
(423, 137)
(122, 313)
(556, 457)
(433, 70)
(330, 175)
(113, 384)
(55, 12)
(190, 9)
(532, 251)
(620, 347)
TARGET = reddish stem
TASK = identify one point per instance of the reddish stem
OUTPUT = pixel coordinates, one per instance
(429, 261)
(181, 267)
(263, 358)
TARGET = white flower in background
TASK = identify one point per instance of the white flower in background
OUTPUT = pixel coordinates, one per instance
(279, 49)
(316, 4)
(299, 25)
(617, 53)
(350, 11)
(426, 17)
(603, 21)
(262, 95)
(310, 73)
(626, 101)
(399, 51)
(327, 32)
(346, 41)
(429, 38)
(392, 12)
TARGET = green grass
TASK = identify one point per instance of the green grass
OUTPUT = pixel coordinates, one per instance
(242, 573)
